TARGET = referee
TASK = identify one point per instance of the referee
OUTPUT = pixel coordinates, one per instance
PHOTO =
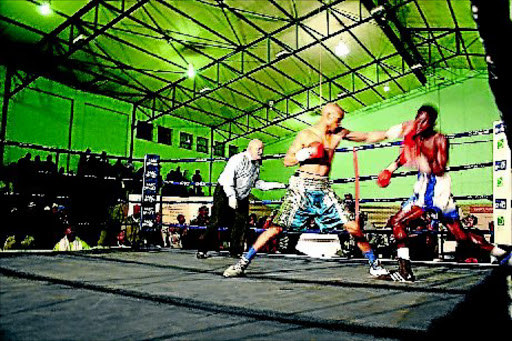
(231, 200)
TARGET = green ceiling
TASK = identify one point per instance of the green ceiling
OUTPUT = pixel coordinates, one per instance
(262, 66)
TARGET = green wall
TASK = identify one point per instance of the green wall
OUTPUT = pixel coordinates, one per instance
(46, 113)
(465, 105)
(43, 114)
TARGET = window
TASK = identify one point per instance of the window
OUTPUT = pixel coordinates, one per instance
(233, 150)
(164, 135)
(144, 130)
(186, 141)
(202, 145)
(218, 148)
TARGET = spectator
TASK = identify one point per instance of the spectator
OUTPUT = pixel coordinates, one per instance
(197, 178)
(175, 233)
(203, 218)
(253, 220)
(70, 242)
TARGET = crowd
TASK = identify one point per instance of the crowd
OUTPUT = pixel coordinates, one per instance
(93, 204)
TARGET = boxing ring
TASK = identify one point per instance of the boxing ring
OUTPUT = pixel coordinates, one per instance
(168, 294)
(382, 230)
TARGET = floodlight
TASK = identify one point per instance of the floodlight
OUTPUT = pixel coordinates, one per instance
(45, 8)
(341, 49)
(191, 72)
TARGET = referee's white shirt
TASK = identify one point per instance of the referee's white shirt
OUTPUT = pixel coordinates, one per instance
(240, 175)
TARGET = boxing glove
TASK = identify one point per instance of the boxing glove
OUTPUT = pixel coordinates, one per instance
(314, 151)
(384, 178)
(317, 150)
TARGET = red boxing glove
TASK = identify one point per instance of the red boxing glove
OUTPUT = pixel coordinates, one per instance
(317, 150)
(384, 178)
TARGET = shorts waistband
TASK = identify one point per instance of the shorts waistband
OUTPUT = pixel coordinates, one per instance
(299, 182)
(299, 172)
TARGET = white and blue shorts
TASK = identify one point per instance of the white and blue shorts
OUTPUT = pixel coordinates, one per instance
(432, 192)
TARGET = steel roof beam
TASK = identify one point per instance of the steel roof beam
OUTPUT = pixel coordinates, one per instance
(442, 60)
(425, 21)
(198, 51)
(240, 49)
(293, 53)
(88, 39)
(403, 44)
(255, 42)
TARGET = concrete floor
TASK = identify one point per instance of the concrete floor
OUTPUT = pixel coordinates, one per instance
(170, 295)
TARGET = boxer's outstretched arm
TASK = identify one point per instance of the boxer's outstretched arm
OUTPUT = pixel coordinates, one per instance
(370, 137)
(392, 133)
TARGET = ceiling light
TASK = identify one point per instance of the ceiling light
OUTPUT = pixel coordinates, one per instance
(386, 87)
(77, 39)
(45, 8)
(282, 53)
(416, 66)
(205, 89)
(341, 50)
(190, 71)
(377, 10)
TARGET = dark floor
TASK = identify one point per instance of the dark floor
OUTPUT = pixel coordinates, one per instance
(170, 295)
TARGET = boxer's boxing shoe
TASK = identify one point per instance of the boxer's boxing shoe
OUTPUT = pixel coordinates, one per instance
(237, 269)
(506, 260)
(404, 273)
(378, 271)
(202, 255)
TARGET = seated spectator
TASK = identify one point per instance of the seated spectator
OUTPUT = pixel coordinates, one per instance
(253, 220)
(203, 218)
(70, 242)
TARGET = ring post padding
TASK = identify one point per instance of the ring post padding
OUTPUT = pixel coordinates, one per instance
(502, 186)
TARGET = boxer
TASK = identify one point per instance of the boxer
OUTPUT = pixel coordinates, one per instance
(310, 194)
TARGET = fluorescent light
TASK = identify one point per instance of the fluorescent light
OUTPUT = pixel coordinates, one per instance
(377, 10)
(204, 90)
(45, 8)
(416, 66)
(282, 53)
(77, 39)
(341, 50)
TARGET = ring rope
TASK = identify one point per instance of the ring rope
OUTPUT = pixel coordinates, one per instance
(363, 201)
(330, 231)
(348, 180)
